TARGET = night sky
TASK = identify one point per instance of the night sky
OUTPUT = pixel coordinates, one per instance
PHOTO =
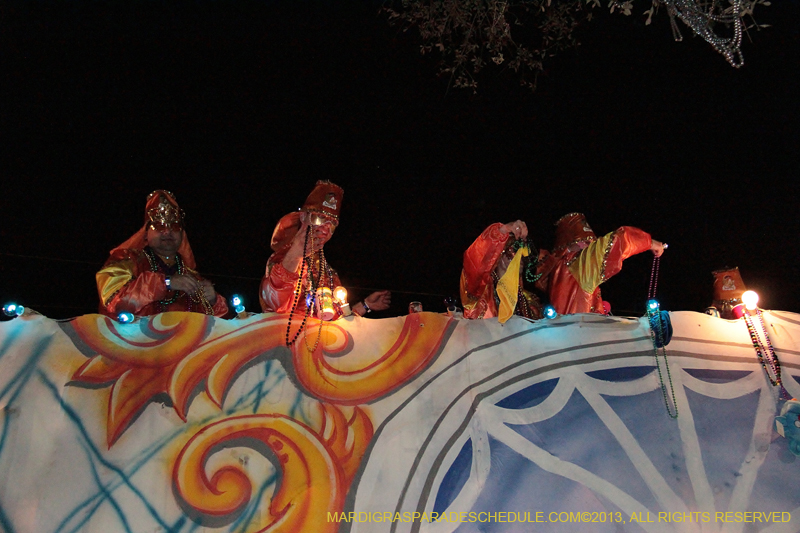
(239, 107)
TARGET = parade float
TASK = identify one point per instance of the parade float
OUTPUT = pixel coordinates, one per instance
(428, 422)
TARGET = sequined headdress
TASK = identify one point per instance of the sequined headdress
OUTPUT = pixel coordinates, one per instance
(571, 229)
(163, 208)
(325, 200)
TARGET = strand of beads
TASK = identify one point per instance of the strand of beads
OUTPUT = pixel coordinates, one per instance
(672, 411)
(323, 267)
(766, 355)
(199, 297)
(654, 319)
(651, 292)
(298, 291)
(151, 258)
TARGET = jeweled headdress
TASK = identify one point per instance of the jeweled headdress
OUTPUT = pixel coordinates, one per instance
(162, 208)
(325, 199)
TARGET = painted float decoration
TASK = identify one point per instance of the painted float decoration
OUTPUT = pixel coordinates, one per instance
(185, 423)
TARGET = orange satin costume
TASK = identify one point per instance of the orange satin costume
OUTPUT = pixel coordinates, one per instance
(128, 283)
(572, 278)
(279, 286)
(477, 284)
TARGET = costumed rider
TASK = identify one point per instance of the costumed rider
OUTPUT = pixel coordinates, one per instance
(154, 270)
(495, 267)
(580, 262)
(297, 268)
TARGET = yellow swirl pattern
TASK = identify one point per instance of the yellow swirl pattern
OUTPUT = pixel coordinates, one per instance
(312, 481)
(171, 337)
(352, 380)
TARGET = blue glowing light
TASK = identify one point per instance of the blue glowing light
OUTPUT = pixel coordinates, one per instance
(653, 305)
(125, 317)
(12, 309)
(239, 309)
(550, 312)
(236, 301)
(309, 299)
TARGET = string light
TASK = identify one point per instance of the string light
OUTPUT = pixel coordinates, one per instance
(340, 295)
(125, 317)
(13, 310)
(550, 312)
(238, 306)
(750, 300)
(653, 305)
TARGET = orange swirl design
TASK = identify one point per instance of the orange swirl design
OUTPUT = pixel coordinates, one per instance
(168, 353)
(140, 371)
(352, 380)
(313, 480)
(169, 338)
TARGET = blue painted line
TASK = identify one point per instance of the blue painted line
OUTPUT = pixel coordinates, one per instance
(261, 394)
(144, 458)
(18, 383)
(4, 522)
(88, 441)
(247, 516)
(105, 492)
(10, 339)
(24, 373)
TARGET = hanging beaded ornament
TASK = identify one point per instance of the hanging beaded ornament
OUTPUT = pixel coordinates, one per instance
(765, 353)
(658, 336)
(532, 261)
(703, 16)
(198, 297)
(309, 292)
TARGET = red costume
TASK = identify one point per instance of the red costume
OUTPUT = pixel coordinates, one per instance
(133, 278)
(280, 291)
(572, 276)
(478, 278)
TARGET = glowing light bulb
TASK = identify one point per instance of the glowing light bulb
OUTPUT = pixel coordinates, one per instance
(550, 312)
(653, 305)
(750, 300)
(340, 295)
(236, 300)
(125, 317)
(12, 309)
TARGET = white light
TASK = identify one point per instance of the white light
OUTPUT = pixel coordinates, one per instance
(550, 312)
(750, 300)
(125, 318)
(236, 300)
(340, 295)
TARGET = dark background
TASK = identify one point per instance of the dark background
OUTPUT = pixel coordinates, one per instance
(239, 107)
